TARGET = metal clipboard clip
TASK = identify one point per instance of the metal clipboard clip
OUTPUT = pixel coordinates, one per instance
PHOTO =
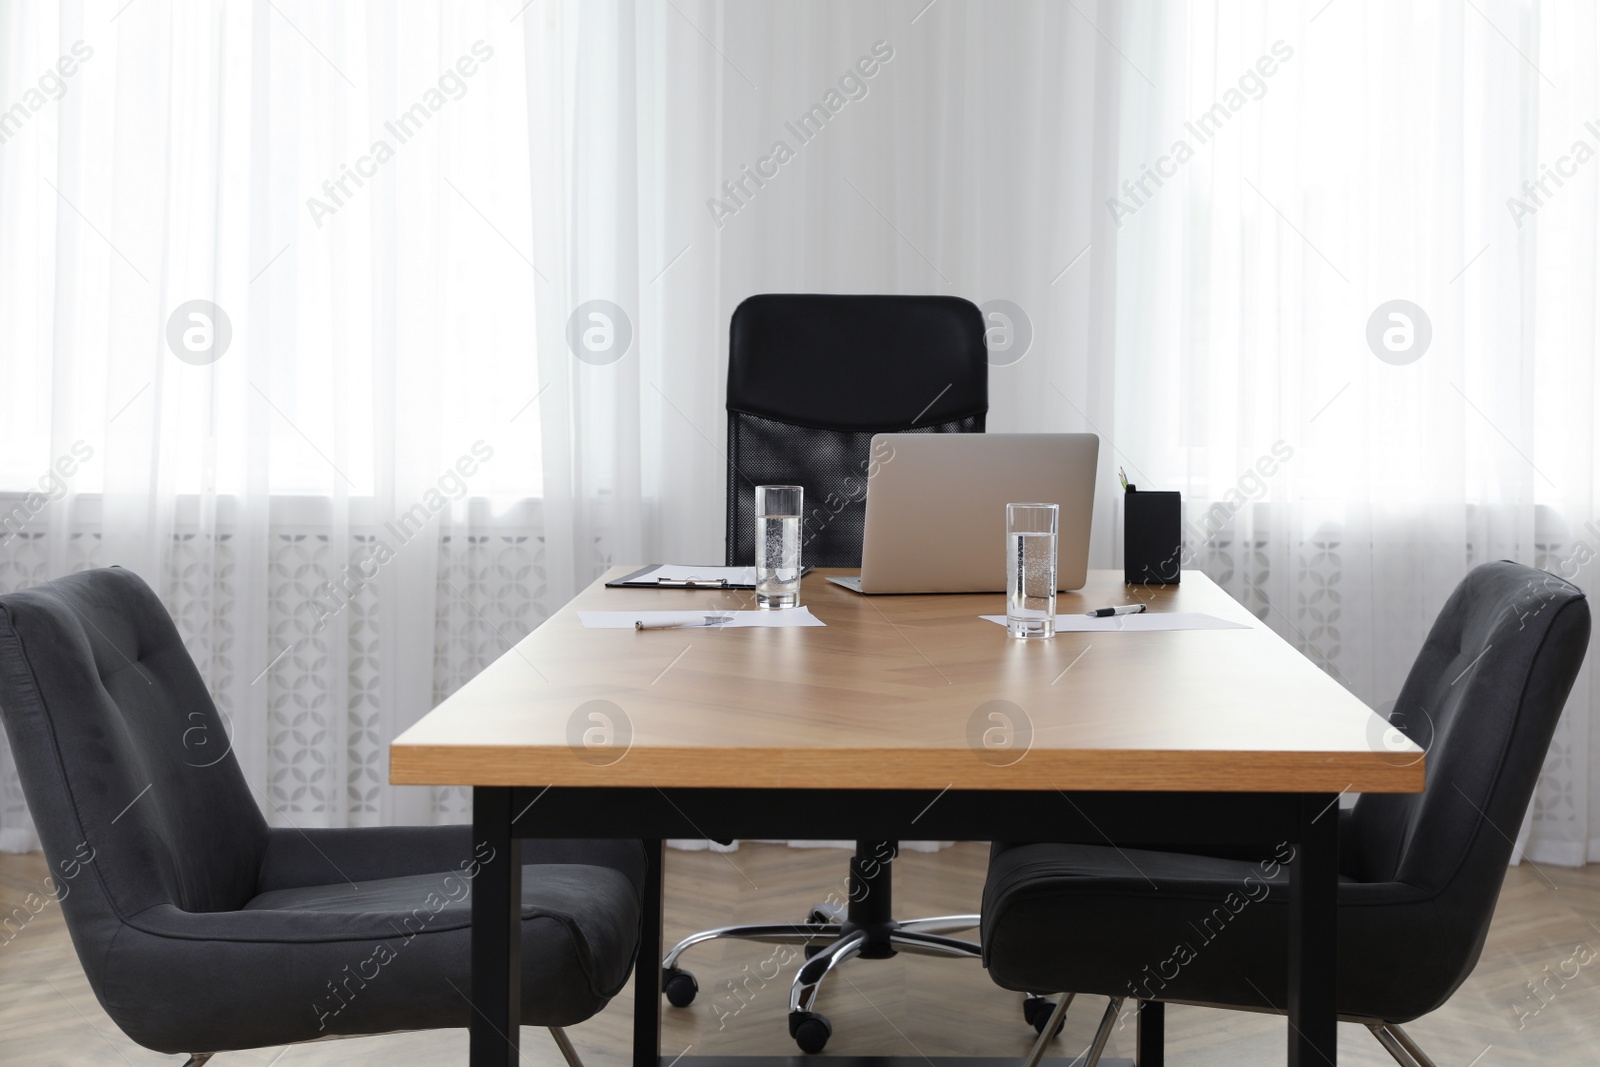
(694, 583)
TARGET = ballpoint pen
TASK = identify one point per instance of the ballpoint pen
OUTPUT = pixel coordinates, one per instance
(711, 621)
(1120, 609)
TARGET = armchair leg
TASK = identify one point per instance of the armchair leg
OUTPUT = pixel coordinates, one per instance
(568, 1053)
(1399, 1044)
(1410, 1046)
(1097, 1047)
(1103, 1033)
(1036, 1053)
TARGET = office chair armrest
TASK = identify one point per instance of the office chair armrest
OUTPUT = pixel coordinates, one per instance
(296, 858)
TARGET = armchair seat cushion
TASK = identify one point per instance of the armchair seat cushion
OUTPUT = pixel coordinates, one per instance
(367, 957)
(1172, 926)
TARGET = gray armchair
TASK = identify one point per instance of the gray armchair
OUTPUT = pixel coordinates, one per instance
(1419, 873)
(201, 928)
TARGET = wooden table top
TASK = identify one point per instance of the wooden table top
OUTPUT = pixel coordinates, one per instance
(902, 692)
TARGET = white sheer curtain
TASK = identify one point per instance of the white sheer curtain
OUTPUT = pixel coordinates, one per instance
(685, 162)
(546, 258)
(693, 154)
(1365, 153)
(427, 296)
(338, 505)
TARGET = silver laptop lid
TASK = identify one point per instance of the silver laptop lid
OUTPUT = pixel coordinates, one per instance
(936, 507)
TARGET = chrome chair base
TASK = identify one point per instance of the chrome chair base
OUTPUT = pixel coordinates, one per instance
(842, 941)
(863, 925)
(828, 944)
(914, 935)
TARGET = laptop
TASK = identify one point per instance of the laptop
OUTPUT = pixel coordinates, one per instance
(936, 508)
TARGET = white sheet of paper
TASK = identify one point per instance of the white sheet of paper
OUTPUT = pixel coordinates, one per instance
(1157, 620)
(624, 620)
(678, 573)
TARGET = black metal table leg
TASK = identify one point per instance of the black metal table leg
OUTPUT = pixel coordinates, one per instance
(1309, 820)
(647, 971)
(1314, 935)
(496, 934)
(1150, 1037)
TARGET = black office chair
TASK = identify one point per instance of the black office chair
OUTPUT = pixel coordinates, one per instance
(1419, 873)
(810, 379)
(202, 929)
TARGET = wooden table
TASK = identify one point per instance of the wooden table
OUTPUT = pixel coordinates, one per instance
(880, 726)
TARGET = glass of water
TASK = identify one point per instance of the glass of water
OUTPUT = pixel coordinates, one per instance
(778, 510)
(1031, 569)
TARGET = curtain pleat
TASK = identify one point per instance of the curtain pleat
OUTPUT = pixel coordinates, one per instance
(478, 264)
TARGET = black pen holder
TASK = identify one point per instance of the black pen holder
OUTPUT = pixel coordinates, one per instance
(1152, 537)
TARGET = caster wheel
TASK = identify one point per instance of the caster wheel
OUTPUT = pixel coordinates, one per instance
(680, 986)
(1036, 1012)
(810, 1030)
(817, 918)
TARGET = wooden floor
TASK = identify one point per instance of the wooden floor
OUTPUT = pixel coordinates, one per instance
(908, 1006)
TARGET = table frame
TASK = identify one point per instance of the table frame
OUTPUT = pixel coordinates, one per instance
(504, 815)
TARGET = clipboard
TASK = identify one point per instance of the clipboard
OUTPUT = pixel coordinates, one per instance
(637, 579)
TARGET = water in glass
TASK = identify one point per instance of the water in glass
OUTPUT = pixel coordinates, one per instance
(1031, 584)
(778, 561)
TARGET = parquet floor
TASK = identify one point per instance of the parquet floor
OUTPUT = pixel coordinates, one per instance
(906, 1006)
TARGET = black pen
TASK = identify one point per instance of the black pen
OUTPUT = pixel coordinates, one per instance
(1121, 609)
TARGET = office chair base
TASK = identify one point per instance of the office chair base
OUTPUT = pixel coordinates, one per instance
(828, 912)
(921, 936)
(827, 944)
(198, 1059)
(832, 933)
(810, 1030)
(771, 934)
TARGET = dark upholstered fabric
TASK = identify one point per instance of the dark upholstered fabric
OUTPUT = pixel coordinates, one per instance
(831, 465)
(811, 377)
(857, 363)
(374, 852)
(200, 928)
(1420, 873)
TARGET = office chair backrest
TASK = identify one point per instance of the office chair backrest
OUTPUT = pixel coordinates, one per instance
(125, 763)
(1483, 699)
(812, 377)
